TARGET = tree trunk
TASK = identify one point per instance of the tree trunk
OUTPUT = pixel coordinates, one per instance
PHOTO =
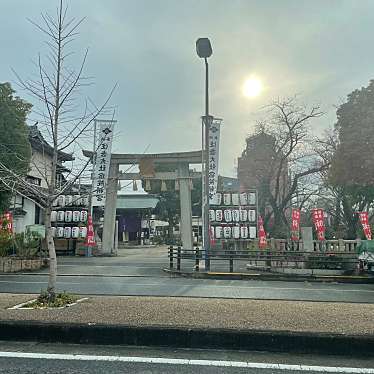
(52, 255)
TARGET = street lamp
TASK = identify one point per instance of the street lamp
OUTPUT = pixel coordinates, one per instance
(204, 50)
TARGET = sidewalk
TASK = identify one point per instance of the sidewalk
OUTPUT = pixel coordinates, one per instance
(215, 323)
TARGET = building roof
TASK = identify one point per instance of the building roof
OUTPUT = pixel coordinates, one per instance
(136, 201)
(38, 142)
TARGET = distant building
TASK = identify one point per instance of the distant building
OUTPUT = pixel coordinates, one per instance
(258, 166)
(25, 211)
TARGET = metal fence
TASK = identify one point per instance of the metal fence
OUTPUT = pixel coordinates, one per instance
(330, 255)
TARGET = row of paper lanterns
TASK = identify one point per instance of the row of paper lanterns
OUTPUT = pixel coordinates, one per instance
(229, 198)
(232, 215)
(69, 216)
(69, 232)
(71, 200)
(234, 232)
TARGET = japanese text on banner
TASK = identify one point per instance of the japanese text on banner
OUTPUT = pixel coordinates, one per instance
(102, 161)
(295, 224)
(364, 219)
(319, 223)
(214, 136)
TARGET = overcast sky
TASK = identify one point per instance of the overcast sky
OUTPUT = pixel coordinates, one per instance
(321, 50)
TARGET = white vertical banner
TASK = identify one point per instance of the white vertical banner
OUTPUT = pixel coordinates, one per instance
(214, 136)
(102, 161)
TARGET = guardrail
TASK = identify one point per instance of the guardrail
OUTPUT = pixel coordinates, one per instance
(268, 258)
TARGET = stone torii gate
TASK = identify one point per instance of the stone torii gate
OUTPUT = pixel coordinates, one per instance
(182, 174)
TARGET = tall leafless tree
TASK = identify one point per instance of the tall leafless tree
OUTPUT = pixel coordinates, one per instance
(58, 90)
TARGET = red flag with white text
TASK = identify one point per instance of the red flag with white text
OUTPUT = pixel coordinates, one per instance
(262, 243)
(364, 219)
(295, 224)
(319, 223)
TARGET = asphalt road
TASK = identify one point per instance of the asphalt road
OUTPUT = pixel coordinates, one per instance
(57, 358)
(139, 272)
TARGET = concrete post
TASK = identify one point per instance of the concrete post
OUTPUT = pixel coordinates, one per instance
(110, 210)
(185, 204)
(307, 236)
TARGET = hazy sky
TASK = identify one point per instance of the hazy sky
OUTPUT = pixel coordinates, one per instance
(321, 50)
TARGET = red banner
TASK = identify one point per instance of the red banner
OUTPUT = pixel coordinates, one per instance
(262, 243)
(8, 218)
(319, 223)
(364, 219)
(295, 224)
(90, 238)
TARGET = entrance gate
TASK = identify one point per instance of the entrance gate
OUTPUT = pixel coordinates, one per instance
(182, 174)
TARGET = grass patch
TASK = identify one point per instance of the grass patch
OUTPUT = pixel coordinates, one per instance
(61, 300)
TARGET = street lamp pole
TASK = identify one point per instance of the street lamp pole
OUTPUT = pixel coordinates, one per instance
(204, 50)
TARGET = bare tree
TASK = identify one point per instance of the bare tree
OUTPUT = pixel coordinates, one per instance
(283, 160)
(57, 88)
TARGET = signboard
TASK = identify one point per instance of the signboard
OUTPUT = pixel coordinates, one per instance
(364, 219)
(318, 220)
(37, 230)
(295, 224)
(262, 243)
(214, 136)
(102, 162)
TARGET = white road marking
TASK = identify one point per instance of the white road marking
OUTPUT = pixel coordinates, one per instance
(176, 361)
(42, 282)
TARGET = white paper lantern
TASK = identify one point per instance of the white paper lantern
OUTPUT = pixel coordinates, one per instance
(235, 215)
(217, 198)
(212, 232)
(60, 216)
(61, 200)
(68, 216)
(244, 232)
(53, 232)
(68, 200)
(243, 198)
(84, 215)
(243, 215)
(55, 202)
(67, 232)
(251, 215)
(235, 199)
(82, 232)
(236, 232)
(53, 216)
(219, 232)
(252, 232)
(59, 232)
(227, 232)
(227, 214)
(212, 215)
(252, 198)
(84, 201)
(76, 200)
(76, 216)
(227, 198)
(75, 232)
(219, 215)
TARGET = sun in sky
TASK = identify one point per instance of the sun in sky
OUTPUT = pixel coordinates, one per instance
(252, 87)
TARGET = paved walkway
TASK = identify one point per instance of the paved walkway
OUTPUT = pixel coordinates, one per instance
(205, 313)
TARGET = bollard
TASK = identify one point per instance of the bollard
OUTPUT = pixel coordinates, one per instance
(231, 264)
(171, 254)
(197, 259)
(179, 258)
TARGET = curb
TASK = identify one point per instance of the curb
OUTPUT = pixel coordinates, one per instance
(273, 277)
(179, 337)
